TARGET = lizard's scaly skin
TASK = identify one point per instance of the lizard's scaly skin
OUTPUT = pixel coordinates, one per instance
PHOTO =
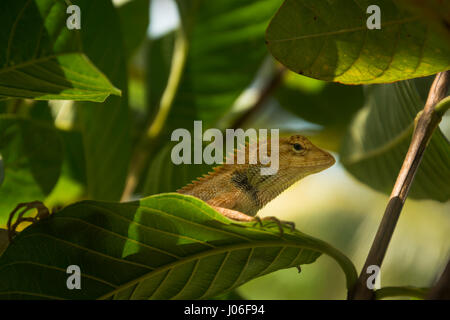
(242, 188)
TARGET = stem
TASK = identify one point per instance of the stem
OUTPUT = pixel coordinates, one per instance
(146, 143)
(442, 107)
(441, 289)
(426, 124)
(176, 72)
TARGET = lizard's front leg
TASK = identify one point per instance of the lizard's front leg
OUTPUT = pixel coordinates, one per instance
(239, 216)
(234, 215)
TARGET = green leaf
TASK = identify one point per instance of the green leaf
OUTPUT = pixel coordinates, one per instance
(134, 20)
(32, 157)
(105, 127)
(167, 246)
(226, 49)
(379, 138)
(330, 41)
(42, 59)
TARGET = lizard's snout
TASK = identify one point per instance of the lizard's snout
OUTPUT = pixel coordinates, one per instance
(324, 159)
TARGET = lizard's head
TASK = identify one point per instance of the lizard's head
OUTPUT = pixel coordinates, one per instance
(298, 153)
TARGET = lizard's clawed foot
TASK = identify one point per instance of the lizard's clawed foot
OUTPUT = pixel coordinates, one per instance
(280, 223)
(43, 212)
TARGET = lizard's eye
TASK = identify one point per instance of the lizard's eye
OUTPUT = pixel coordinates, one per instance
(297, 147)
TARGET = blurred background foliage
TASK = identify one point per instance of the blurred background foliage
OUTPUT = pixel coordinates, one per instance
(229, 80)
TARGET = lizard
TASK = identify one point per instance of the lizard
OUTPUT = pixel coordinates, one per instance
(239, 191)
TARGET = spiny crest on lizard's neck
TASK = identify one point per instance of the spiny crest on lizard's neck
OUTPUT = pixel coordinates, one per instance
(298, 157)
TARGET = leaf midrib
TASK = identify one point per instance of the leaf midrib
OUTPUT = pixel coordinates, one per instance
(330, 33)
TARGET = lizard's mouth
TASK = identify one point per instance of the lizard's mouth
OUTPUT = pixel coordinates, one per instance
(322, 163)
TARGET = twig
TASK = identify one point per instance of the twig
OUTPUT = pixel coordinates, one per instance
(427, 122)
(441, 289)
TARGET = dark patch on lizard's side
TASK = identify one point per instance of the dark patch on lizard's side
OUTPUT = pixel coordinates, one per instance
(240, 180)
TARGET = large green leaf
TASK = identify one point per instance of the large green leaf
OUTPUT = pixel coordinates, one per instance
(40, 58)
(329, 40)
(163, 247)
(32, 155)
(379, 137)
(226, 49)
(105, 127)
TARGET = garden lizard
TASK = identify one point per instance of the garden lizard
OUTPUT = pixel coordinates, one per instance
(239, 191)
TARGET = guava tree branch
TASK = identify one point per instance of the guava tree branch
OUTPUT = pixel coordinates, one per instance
(426, 122)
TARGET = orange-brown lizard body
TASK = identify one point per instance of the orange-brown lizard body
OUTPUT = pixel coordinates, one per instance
(239, 191)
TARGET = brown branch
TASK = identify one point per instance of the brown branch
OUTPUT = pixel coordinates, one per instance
(427, 122)
(441, 290)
